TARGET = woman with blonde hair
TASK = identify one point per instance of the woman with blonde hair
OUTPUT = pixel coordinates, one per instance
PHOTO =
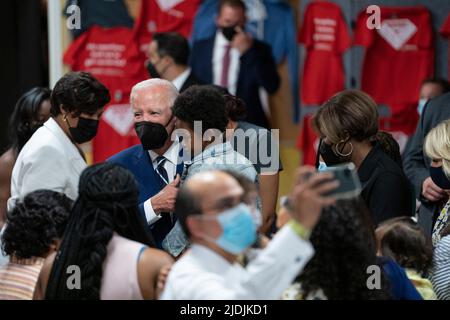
(348, 126)
(437, 148)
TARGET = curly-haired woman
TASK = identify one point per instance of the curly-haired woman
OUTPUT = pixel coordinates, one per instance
(34, 229)
(52, 159)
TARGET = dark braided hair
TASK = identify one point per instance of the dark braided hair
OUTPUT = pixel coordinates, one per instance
(389, 145)
(107, 203)
(344, 244)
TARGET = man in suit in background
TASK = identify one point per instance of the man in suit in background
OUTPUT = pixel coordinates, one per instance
(417, 165)
(234, 60)
(156, 163)
(168, 56)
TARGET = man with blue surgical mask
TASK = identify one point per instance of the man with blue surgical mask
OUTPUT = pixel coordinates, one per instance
(212, 212)
(430, 89)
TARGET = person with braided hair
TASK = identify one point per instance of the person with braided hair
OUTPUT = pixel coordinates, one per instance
(34, 230)
(108, 240)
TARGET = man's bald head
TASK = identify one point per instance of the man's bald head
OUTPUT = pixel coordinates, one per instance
(209, 183)
(208, 193)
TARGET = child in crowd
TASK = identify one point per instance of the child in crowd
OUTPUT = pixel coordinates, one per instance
(402, 240)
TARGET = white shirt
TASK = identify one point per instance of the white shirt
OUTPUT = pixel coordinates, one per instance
(172, 158)
(220, 44)
(181, 79)
(49, 160)
(202, 274)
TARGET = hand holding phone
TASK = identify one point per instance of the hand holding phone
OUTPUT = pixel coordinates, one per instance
(309, 195)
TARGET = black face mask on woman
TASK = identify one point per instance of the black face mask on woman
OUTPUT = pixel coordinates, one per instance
(439, 178)
(85, 130)
(152, 135)
(329, 156)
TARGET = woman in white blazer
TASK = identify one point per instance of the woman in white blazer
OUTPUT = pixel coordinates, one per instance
(52, 158)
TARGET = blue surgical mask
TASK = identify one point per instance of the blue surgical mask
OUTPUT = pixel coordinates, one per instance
(421, 105)
(238, 229)
(322, 166)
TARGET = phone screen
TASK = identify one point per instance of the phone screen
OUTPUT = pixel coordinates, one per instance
(349, 184)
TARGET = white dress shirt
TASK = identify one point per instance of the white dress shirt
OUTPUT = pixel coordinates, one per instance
(220, 44)
(181, 79)
(172, 158)
(49, 160)
(202, 274)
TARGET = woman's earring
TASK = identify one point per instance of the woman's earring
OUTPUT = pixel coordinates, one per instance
(340, 153)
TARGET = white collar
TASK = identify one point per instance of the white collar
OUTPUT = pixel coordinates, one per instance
(181, 79)
(172, 154)
(221, 41)
(70, 148)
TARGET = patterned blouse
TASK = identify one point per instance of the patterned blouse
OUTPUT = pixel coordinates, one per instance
(440, 224)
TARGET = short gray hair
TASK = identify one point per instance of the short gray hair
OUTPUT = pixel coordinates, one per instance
(172, 92)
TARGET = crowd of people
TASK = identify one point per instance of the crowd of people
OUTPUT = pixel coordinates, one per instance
(190, 213)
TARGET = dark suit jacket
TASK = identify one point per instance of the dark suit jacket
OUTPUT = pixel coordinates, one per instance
(138, 161)
(192, 80)
(257, 69)
(417, 165)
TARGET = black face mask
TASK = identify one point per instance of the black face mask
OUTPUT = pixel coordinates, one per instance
(229, 32)
(152, 135)
(85, 131)
(152, 70)
(328, 155)
(439, 178)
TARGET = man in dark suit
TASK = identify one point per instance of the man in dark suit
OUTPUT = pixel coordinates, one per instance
(234, 60)
(157, 162)
(417, 164)
(168, 55)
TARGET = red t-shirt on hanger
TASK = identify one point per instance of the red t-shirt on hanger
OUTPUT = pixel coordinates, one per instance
(164, 16)
(325, 36)
(399, 56)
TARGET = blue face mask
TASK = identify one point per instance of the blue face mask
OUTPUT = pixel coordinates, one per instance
(239, 229)
(421, 105)
(322, 166)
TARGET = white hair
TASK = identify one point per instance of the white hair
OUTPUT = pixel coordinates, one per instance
(172, 92)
